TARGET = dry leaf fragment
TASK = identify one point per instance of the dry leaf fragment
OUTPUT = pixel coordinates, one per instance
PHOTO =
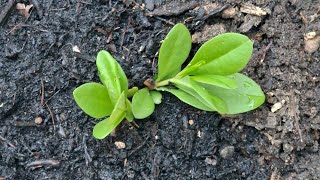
(24, 9)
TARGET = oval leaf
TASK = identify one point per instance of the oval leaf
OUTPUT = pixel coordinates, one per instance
(173, 52)
(156, 97)
(216, 80)
(105, 127)
(142, 104)
(186, 98)
(111, 75)
(193, 88)
(246, 97)
(93, 99)
(223, 55)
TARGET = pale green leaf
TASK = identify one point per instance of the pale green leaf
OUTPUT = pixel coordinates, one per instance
(246, 97)
(93, 99)
(142, 104)
(193, 88)
(105, 127)
(215, 80)
(156, 97)
(111, 75)
(224, 54)
(186, 98)
(173, 52)
(129, 115)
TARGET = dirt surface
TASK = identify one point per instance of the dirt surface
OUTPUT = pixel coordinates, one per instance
(44, 135)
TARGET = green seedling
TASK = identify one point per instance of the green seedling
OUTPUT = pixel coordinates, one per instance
(211, 81)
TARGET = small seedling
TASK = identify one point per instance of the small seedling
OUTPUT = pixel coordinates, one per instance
(211, 81)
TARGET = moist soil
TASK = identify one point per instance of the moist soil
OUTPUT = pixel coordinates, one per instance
(44, 135)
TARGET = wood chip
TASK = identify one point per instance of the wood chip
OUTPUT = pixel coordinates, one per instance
(249, 8)
(229, 13)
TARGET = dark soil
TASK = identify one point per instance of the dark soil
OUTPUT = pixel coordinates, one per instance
(36, 52)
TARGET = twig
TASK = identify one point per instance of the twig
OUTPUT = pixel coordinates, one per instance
(87, 156)
(42, 93)
(265, 50)
(7, 141)
(52, 117)
(6, 11)
(164, 20)
(41, 163)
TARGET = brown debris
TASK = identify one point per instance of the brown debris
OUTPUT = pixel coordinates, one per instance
(24, 9)
(230, 12)
(173, 8)
(249, 22)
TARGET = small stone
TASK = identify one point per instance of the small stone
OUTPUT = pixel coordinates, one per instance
(277, 106)
(191, 122)
(76, 49)
(211, 161)
(120, 144)
(38, 120)
(199, 134)
(287, 148)
(227, 152)
(311, 42)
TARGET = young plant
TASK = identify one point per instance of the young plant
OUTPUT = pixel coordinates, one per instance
(109, 100)
(210, 81)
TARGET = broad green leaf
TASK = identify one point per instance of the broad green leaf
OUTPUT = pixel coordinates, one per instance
(142, 104)
(156, 97)
(216, 80)
(246, 97)
(111, 75)
(93, 99)
(105, 127)
(129, 115)
(193, 88)
(224, 54)
(186, 98)
(173, 52)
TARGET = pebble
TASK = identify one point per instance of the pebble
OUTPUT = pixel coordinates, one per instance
(277, 106)
(227, 152)
(38, 120)
(191, 122)
(211, 161)
(120, 144)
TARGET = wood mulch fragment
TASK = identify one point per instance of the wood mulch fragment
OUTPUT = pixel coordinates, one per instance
(41, 163)
(173, 8)
(6, 11)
